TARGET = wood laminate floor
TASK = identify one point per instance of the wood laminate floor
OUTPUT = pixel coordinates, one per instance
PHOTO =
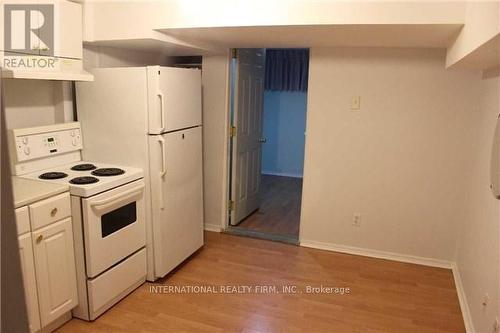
(279, 212)
(385, 296)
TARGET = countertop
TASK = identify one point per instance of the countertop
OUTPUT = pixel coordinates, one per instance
(28, 191)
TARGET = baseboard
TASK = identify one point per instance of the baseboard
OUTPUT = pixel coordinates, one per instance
(281, 174)
(212, 227)
(462, 298)
(377, 254)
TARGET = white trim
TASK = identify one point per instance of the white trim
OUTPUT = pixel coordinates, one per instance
(377, 254)
(212, 227)
(281, 174)
(227, 141)
(462, 298)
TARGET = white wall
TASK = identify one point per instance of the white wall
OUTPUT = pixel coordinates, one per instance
(400, 161)
(284, 126)
(31, 103)
(215, 125)
(478, 251)
(97, 56)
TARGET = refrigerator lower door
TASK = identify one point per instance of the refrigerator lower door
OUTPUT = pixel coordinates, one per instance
(177, 197)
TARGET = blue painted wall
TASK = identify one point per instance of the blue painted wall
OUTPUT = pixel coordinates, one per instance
(284, 127)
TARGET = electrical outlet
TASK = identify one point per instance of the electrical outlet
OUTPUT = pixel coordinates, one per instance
(486, 299)
(356, 220)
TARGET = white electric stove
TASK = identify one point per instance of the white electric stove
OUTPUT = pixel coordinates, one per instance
(87, 178)
(108, 212)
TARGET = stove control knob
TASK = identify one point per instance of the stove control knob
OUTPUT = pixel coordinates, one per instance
(27, 150)
(25, 140)
(72, 133)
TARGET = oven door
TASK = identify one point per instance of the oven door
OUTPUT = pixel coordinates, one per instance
(114, 226)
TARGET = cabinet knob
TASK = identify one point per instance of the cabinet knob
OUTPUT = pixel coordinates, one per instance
(39, 239)
(53, 212)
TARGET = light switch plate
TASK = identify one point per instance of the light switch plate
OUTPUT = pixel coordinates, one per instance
(355, 103)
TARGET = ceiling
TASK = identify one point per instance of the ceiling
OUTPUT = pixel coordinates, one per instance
(367, 35)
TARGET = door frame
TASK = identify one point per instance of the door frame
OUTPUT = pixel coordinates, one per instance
(226, 177)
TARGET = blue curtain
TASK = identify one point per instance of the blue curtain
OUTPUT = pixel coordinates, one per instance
(287, 69)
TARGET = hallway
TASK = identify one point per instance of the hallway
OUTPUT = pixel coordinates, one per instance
(279, 212)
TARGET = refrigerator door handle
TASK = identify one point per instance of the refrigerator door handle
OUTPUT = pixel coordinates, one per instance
(162, 110)
(163, 171)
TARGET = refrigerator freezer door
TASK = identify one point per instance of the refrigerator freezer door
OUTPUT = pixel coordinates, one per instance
(177, 200)
(174, 98)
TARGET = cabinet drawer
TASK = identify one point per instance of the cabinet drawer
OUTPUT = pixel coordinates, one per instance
(23, 220)
(112, 285)
(50, 210)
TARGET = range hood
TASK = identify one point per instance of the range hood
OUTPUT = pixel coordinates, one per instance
(65, 69)
(48, 75)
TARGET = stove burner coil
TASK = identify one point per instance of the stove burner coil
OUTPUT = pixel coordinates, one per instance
(84, 180)
(53, 175)
(106, 172)
(83, 167)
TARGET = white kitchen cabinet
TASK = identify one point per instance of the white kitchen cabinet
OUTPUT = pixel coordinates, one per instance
(47, 256)
(71, 33)
(55, 270)
(50, 210)
(29, 281)
(67, 28)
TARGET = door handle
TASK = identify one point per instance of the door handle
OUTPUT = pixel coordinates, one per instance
(162, 109)
(163, 171)
(262, 140)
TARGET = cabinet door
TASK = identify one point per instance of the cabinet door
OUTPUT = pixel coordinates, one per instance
(67, 33)
(29, 281)
(55, 270)
(25, 12)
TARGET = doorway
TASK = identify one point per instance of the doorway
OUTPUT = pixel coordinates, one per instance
(268, 105)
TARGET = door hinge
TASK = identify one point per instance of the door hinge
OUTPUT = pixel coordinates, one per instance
(232, 131)
(230, 205)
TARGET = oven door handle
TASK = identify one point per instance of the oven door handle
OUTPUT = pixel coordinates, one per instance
(103, 205)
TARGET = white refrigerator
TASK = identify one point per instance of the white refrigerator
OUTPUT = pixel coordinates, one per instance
(150, 117)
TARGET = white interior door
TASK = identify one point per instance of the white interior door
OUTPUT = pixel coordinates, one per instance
(248, 105)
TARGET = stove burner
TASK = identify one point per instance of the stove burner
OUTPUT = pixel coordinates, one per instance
(83, 167)
(83, 180)
(53, 175)
(108, 172)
